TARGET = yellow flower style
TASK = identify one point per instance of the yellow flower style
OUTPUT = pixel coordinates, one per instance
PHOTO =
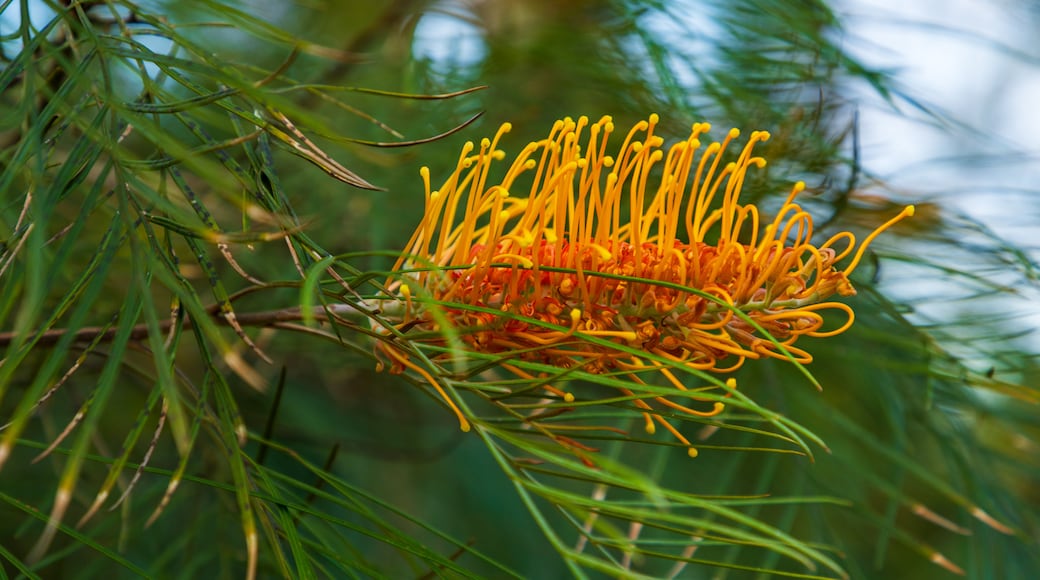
(647, 250)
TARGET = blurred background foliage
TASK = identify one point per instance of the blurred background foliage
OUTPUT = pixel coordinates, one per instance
(154, 152)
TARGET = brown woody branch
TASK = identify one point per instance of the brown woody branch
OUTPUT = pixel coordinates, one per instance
(141, 331)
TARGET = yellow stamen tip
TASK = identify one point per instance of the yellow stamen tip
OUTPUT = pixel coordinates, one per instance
(909, 211)
(575, 315)
(731, 383)
(464, 425)
(506, 127)
(424, 171)
(604, 254)
(568, 397)
(654, 118)
(406, 291)
(650, 428)
(734, 133)
(692, 452)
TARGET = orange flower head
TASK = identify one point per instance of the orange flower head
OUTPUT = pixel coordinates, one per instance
(648, 250)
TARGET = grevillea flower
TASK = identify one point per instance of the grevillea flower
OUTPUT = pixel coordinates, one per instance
(648, 250)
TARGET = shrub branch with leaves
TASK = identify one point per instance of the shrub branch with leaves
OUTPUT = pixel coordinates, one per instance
(175, 330)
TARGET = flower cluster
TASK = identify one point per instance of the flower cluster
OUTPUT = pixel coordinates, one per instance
(647, 250)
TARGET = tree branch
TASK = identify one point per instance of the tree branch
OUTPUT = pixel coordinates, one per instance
(139, 332)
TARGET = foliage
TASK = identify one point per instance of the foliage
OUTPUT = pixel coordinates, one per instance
(200, 209)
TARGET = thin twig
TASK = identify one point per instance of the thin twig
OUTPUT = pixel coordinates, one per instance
(272, 416)
(140, 332)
